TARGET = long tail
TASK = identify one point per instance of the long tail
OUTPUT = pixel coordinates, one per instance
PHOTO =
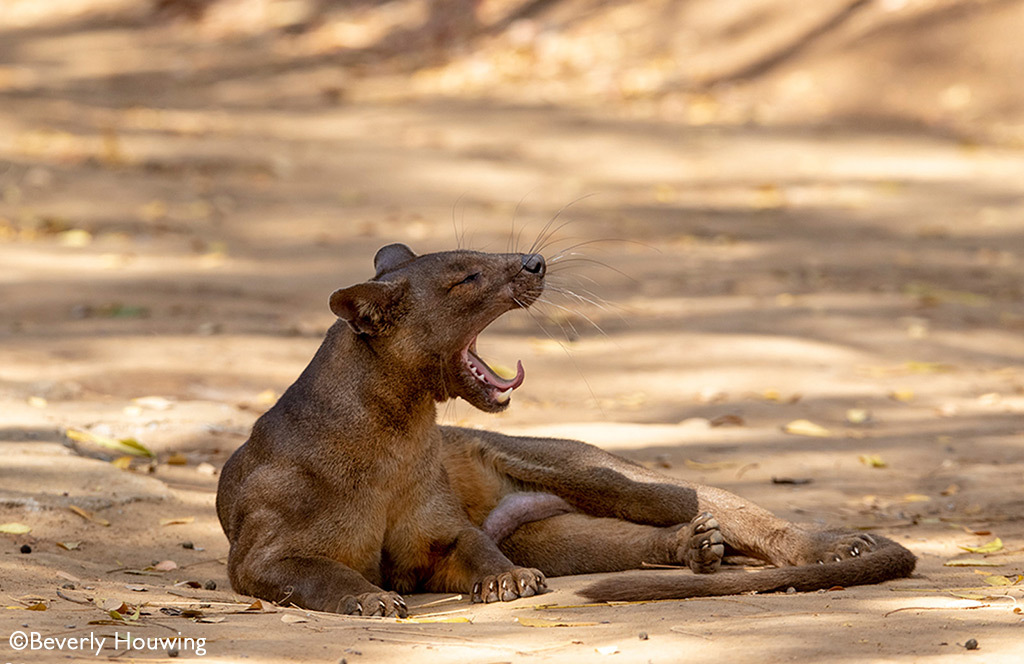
(889, 561)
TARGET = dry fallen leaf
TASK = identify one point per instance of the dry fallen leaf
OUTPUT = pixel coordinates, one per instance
(872, 461)
(153, 403)
(990, 547)
(858, 416)
(211, 619)
(176, 459)
(607, 650)
(997, 580)
(88, 516)
(904, 395)
(806, 428)
(436, 619)
(177, 521)
(122, 462)
(14, 528)
(69, 546)
(544, 622)
(971, 562)
(38, 606)
(165, 566)
(291, 619)
(915, 498)
(123, 445)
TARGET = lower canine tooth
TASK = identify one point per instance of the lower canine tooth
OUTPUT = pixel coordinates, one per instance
(502, 397)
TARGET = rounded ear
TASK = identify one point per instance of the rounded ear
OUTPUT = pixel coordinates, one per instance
(370, 308)
(392, 257)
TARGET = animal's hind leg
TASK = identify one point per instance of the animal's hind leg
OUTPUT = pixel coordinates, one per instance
(577, 543)
(602, 484)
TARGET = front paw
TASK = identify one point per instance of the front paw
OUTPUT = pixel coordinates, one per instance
(507, 586)
(387, 604)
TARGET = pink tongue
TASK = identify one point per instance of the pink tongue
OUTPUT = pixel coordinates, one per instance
(494, 379)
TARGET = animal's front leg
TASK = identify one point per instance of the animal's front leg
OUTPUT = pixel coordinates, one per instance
(475, 565)
(313, 582)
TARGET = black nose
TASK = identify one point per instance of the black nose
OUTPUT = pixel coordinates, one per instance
(534, 264)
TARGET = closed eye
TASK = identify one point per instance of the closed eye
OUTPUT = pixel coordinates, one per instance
(468, 279)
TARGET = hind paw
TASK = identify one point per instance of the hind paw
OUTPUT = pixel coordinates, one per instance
(833, 547)
(700, 544)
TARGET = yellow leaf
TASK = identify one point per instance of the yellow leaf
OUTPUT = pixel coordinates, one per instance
(904, 395)
(88, 516)
(806, 428)
(177, 521)
(974, 596)
(122, 462)
(176, 460)
(76, 237)
(14, 528)
(38, 606)
(69, 546)
(543, 622)
(872, 460)
(438, 619)
(990, 547)
(123, 445)
(996, 580)
(858, 416)
(916, 498)
(928, 367)
(971, 562)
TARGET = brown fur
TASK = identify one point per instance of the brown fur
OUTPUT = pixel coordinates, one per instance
(348, 493)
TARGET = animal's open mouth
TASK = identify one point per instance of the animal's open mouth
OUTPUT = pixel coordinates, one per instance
(498, 388)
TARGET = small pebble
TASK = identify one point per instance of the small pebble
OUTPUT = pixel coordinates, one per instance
(172, 653)
(25, 548)
(972, 644)
(210, 585)
(643, 636)
(188, 545)
(790, 590)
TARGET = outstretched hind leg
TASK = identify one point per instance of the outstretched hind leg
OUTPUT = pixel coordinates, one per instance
(581, 544)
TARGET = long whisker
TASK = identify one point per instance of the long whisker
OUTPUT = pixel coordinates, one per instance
(600, 303)
(514, 246)
(546, 233)
(570, 250)
(455, 227)
(564, 261)
(573, 311)
(565, 349)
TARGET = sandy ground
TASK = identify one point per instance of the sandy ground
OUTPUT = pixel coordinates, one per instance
(170, 230)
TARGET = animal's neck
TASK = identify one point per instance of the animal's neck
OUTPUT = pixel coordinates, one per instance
(361, 389)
